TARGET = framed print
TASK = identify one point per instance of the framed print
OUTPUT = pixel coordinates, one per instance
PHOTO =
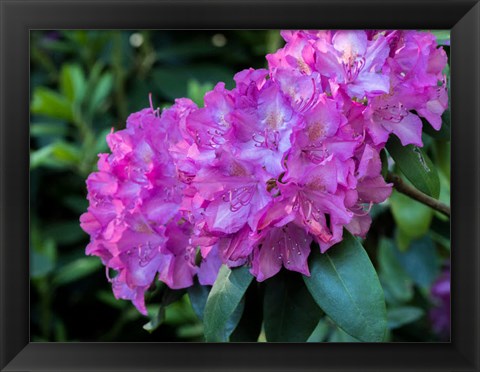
(291, 197)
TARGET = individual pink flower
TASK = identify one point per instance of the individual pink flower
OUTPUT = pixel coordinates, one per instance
(355, 62)
(418, 88)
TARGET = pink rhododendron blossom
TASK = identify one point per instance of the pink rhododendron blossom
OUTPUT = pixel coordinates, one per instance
(288, 157)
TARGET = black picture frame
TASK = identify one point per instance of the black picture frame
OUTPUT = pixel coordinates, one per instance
(18, 17)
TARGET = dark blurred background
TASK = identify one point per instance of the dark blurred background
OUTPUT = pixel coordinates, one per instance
(83, 83)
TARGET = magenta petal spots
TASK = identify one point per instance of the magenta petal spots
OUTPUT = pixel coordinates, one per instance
(408, 130)
(224, 217)
(374, 190)
(288, 246)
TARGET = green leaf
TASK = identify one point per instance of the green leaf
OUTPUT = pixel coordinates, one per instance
(101, 91)
(72, 82)
(289, 311)
(196, 91)
(416, 166)
(43, 157)
(320, 332)
(48, 129)
(224, 298)
(49, 103)
(345, 285)
(198, 297)
(234, 320)
(338, 335)
(396, 283)
(157, 317)
(412, 218)
(420, 261)
(56, 155)
(400, 316)
(66, 152)
(402, 240)
(76, 270)
(180, 312)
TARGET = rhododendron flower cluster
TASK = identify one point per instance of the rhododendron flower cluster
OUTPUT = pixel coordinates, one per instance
(288, 157)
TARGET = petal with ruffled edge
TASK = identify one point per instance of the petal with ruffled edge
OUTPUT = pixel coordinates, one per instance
(288, 245)
(408, 130)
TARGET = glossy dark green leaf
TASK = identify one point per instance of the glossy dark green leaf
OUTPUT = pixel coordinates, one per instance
(289, 311)
(416, 166)
(396, 283)
(400, 316)
(223, 300)
(234, 320)
(198, 295)
(345, 285)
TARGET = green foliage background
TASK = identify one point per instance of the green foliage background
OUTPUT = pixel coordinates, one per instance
(83, 83)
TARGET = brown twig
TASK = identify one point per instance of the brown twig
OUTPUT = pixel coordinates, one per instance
(419, 196)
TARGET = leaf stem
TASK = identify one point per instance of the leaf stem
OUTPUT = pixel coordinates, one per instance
(419, 196)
